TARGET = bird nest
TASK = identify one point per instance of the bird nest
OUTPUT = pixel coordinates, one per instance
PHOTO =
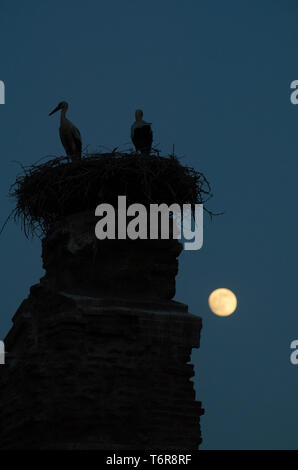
(48, 192)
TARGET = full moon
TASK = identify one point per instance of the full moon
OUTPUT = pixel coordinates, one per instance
(222, 302)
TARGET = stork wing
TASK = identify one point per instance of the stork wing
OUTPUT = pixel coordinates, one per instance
(76, 134)
(77, 138)
(143, 137)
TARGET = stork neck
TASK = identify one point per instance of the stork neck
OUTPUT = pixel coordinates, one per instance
(62, 116)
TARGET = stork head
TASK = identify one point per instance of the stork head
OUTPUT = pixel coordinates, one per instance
(139, 115)
(61, 105)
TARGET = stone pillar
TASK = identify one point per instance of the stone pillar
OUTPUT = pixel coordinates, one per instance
(99, 354)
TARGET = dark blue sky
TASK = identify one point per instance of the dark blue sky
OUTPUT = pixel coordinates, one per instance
(214, 78)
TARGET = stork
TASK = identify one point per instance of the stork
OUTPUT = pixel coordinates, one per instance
(141, 134)
(69, 134)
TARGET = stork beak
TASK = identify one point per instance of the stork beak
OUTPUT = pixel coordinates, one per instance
(54, 111)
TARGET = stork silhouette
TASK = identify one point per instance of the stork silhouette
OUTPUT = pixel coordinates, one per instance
(141, 134)
(69, 134)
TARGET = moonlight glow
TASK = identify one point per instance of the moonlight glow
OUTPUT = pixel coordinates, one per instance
(222, 302)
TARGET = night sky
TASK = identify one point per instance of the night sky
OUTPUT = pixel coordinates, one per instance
(214, 79)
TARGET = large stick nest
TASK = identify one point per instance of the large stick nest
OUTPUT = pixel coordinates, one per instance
(47, 192)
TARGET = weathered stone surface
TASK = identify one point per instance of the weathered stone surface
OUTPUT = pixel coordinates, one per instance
(76, 261)
(98, 355)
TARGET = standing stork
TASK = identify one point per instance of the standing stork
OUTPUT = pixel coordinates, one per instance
(69, 134)
(141, 134)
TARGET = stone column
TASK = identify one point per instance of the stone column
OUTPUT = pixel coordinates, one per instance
(99, 353)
